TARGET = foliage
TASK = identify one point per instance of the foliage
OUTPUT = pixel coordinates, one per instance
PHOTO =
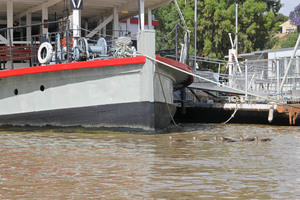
(216, 18)
(280, 19)
(290, 41)
(295, 15)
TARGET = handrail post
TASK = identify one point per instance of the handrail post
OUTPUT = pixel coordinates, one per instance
(278, 78)
(32, 52)
(10, 49)
(67, 38)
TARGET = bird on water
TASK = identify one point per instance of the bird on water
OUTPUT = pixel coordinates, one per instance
(215, 138)
(242, 139)
(175, 140)
(200, 139)
(262, 140)
(226, 139)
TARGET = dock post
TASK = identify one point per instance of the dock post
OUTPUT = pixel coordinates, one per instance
(183, 98)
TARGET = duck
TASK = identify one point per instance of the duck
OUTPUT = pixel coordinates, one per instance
(226, 139)
(200, 139)
(242, 139)
(215, 138)
(176, 140)
(262, 140)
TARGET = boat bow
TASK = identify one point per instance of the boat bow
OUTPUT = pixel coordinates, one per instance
(182, 79)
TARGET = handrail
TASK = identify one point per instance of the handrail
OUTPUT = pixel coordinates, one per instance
(25, 26)
(31, 25)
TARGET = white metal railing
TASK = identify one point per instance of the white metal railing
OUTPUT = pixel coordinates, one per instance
(264, 77)
(260, 77)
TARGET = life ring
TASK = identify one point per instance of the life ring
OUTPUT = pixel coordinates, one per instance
(45, 53)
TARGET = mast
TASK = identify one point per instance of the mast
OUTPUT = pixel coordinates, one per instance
(236, 28)
(76, 6)
(195, 36)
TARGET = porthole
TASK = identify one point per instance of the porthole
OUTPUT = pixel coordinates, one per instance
(42, 88)
(16, 91)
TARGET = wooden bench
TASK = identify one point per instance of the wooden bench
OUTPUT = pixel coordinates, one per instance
(20, 53)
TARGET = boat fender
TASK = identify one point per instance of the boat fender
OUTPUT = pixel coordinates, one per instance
(45, 53)
(271, 114)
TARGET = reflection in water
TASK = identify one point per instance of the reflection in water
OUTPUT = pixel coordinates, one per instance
(133, 166)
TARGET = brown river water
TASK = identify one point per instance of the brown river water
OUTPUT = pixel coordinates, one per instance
(53, 165)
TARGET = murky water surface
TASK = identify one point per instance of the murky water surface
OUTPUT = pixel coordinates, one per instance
(135, 166)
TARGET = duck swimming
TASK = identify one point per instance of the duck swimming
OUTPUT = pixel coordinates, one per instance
(200, 139)
(176, 140)
(242, 139)
(262, 140)
(215, 138)
(226, 139)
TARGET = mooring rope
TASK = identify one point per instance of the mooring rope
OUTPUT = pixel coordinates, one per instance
(180, 14)
(166, 102)
(233, 114)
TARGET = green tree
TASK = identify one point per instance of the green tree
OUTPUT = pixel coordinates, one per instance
(216, 18)
(280, 19)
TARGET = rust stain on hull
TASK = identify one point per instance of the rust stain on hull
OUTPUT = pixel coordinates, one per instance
(292, 111)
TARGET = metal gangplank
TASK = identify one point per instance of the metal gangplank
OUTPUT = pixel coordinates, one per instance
(199, 84)
(261, 77)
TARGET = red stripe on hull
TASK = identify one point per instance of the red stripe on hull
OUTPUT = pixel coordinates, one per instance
(70, 66)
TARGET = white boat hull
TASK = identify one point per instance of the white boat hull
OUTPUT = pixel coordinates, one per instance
(123, 96)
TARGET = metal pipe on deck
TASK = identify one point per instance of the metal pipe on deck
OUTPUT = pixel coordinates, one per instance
(10, 49)
(76, 26)
(28, 29)
(10, 19)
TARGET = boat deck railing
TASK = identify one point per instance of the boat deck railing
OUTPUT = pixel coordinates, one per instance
(13, 52)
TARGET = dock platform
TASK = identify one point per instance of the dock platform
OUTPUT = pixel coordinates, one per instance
(252, 113)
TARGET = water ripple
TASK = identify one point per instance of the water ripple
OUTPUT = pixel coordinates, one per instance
(133, 166)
